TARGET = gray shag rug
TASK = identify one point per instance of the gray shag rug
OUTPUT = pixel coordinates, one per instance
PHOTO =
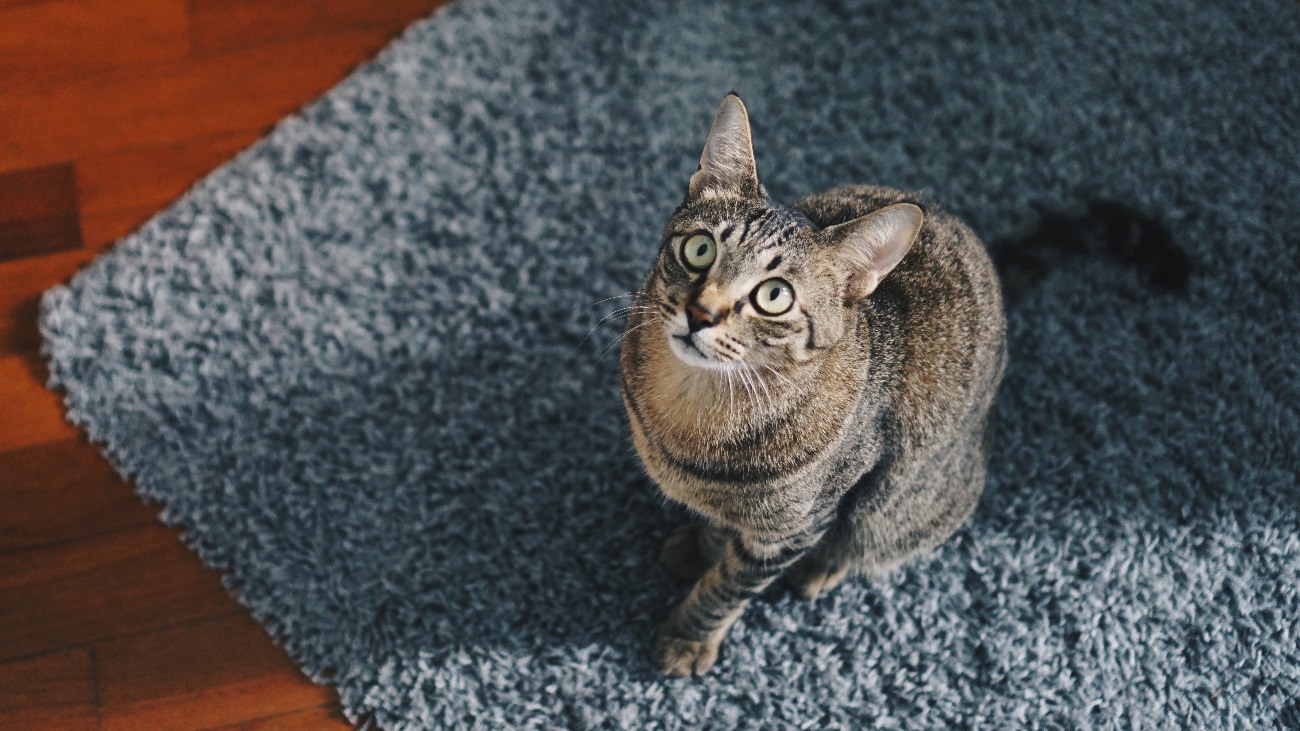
(351, 365)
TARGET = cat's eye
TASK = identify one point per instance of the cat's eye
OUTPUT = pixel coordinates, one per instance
(699, 251)
(773, 297)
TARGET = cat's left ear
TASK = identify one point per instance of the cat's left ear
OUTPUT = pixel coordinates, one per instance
(871, 246)
(727, 165)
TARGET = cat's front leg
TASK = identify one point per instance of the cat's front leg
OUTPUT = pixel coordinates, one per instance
(688, 641)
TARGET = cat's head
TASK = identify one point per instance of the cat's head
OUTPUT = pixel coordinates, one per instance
(743, 281)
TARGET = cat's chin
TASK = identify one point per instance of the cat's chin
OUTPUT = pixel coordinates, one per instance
(691, 354)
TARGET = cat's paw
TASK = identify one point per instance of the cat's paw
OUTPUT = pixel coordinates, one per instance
(822, 582)
(681, 553)
(812, 579)
(682, 657)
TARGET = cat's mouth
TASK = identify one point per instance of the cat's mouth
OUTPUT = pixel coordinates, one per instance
(693, 351)
(689, 340)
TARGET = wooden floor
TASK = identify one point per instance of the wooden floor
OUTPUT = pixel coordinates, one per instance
(110, 109)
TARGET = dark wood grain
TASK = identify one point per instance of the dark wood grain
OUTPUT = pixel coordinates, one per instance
(38, 211)
(199, 675)
(60, 491)
(125, 582)
(225, 24)
(324, 718)
(21, 283)
(54, 692)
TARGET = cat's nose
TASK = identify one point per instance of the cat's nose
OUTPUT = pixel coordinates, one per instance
(699, 317)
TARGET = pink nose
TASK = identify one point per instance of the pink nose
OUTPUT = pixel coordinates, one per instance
(699, 317)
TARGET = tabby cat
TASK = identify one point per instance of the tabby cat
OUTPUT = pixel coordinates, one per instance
(812, 381)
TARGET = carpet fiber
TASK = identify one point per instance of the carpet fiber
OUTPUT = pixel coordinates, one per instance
(350, 364)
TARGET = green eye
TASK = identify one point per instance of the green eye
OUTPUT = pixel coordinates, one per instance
(773, 297)
(699, 251)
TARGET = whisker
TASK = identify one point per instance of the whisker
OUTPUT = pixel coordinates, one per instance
(780, 375)
(626, 310)
(620, 338)
(760, 385)
(613, 315)
(607, 299)
(726, 376)
(731, 396)
(746, 371)
(749, 387)
(771, 401)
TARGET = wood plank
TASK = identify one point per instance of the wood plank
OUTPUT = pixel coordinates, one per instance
(103, 229)
(217, 25)
(38, 211)
(125, 582)
(151, 175)
(54, 692)
(168, 102)
(226, 24)
(199, 675)
(393, 15)
(32, 414)
(49, 41)
(61, 491)
(325, 718)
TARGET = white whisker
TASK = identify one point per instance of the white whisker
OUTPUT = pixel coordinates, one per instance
(778, 374)
(620, 338)
(749, 385)
(771, 404)
(615, 297)
(614, 315)
(731, 397)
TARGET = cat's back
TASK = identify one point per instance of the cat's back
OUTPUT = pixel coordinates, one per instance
(936, 322)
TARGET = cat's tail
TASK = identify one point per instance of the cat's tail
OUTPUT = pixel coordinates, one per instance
(1096, 228)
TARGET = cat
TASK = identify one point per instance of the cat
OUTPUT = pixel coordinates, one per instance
(813, 381)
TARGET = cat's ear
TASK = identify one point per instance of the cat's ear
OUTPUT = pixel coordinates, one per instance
(727, 165)
(871, 246)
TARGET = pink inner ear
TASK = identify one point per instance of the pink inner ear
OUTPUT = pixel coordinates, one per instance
(876, 243)
(861, 283)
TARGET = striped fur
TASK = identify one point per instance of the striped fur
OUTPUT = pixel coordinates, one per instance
(843, 436)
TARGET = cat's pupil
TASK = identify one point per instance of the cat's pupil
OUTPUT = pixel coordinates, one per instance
(774, 292)
(702, 248)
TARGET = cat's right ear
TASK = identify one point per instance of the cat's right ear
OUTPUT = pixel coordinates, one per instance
(870, 247)
(727, 165)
